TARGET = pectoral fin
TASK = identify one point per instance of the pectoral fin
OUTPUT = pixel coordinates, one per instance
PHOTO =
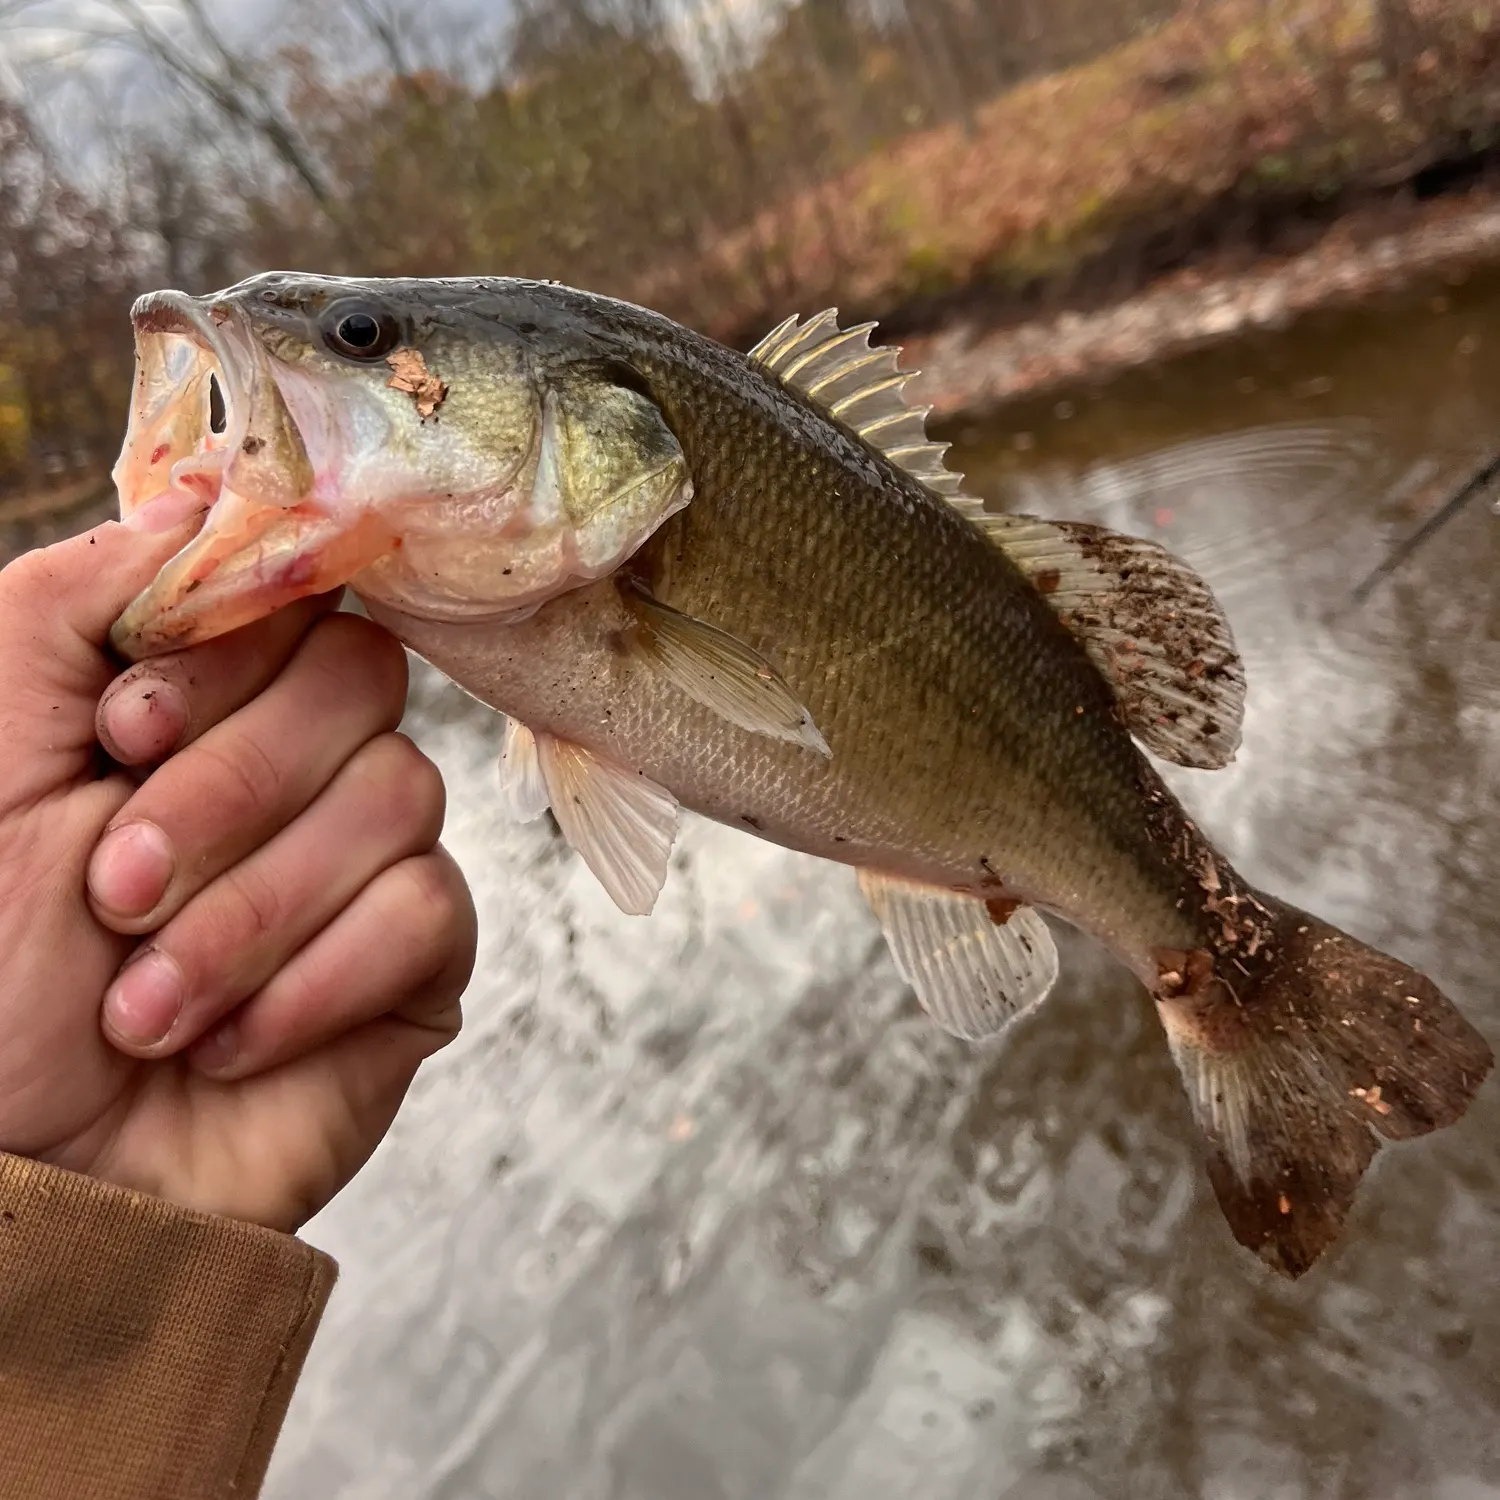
(621, 824)
(975, 969)
(720, 672)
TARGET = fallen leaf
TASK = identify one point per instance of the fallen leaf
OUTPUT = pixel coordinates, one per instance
(410, 374)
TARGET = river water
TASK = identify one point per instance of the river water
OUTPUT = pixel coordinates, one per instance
(701, 1208)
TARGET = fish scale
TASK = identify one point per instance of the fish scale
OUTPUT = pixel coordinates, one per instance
(972, 679)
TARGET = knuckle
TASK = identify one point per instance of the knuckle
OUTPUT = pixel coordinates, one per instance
(26, 581)
(428, 896)
(442, 926)
(460, 925)
(245, 776)
(256, 909)
(38, 578)
(409, 786)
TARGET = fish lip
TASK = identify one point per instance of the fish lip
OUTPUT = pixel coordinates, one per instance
(178, 312)
(250, 559)
(172, 312)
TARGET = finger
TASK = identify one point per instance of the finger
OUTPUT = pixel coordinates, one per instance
(77, 588)
(206, 808)
(305, 1128)
(160, 706)
(323, 1113)
(385, 805)
(404, 948)
(56, 607)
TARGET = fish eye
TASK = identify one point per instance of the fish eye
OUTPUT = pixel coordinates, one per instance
(218, 413)
(359, 331)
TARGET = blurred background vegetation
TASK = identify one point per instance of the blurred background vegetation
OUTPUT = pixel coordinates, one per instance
(724, 162)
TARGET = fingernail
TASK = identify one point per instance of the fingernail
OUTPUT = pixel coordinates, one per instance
(144, 720)
(218, 1049)
(143, 1003)
(130, 869)
(170, 508)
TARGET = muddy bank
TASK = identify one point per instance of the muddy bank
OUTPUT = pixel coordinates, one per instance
(1369, 255)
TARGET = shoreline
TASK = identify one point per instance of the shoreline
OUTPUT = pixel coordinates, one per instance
(970, 368)
(970, 371)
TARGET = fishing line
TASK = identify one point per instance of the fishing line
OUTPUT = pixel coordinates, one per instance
(1484, 476)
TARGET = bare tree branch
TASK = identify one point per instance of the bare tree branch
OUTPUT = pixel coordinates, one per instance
(233, 88)
(382, 29)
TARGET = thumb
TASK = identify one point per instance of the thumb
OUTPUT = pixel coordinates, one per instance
(56, 606)
(60, 601)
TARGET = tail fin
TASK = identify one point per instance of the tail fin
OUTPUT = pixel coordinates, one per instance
(1300, 1063)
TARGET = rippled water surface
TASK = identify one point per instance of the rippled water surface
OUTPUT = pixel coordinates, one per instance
(701, 1208)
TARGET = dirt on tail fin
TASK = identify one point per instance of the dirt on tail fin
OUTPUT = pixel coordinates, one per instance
(1300, 1064)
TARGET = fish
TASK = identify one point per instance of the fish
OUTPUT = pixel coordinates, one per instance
(749, 585)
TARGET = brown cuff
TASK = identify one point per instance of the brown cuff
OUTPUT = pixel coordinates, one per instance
(145, 1351)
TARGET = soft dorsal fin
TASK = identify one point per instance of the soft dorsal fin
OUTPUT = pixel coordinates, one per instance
(863, 387)
(1148, 622)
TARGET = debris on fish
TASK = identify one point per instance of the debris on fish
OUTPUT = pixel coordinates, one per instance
(750, 586)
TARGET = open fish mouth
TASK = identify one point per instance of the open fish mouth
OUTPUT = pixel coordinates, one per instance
(209, 431)
(190, 376)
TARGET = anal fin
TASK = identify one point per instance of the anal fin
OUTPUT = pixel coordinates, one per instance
(975, 970)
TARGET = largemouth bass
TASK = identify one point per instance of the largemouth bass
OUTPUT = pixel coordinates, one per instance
(749, 586)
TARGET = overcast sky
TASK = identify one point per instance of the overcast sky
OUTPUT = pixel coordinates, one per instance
(82, 87)
(35, 32)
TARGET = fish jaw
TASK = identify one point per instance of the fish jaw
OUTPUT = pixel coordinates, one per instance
(169, 418)
(171, 447)
(249, 560)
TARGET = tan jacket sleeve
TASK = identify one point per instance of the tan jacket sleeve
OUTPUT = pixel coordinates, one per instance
(145, 1351)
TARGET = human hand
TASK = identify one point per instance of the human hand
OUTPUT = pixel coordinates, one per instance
(216, 983)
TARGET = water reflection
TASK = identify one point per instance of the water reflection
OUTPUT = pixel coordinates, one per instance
(700, 1207)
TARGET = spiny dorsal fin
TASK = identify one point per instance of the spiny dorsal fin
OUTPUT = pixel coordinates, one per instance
(1148, 622)
(862, 386)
